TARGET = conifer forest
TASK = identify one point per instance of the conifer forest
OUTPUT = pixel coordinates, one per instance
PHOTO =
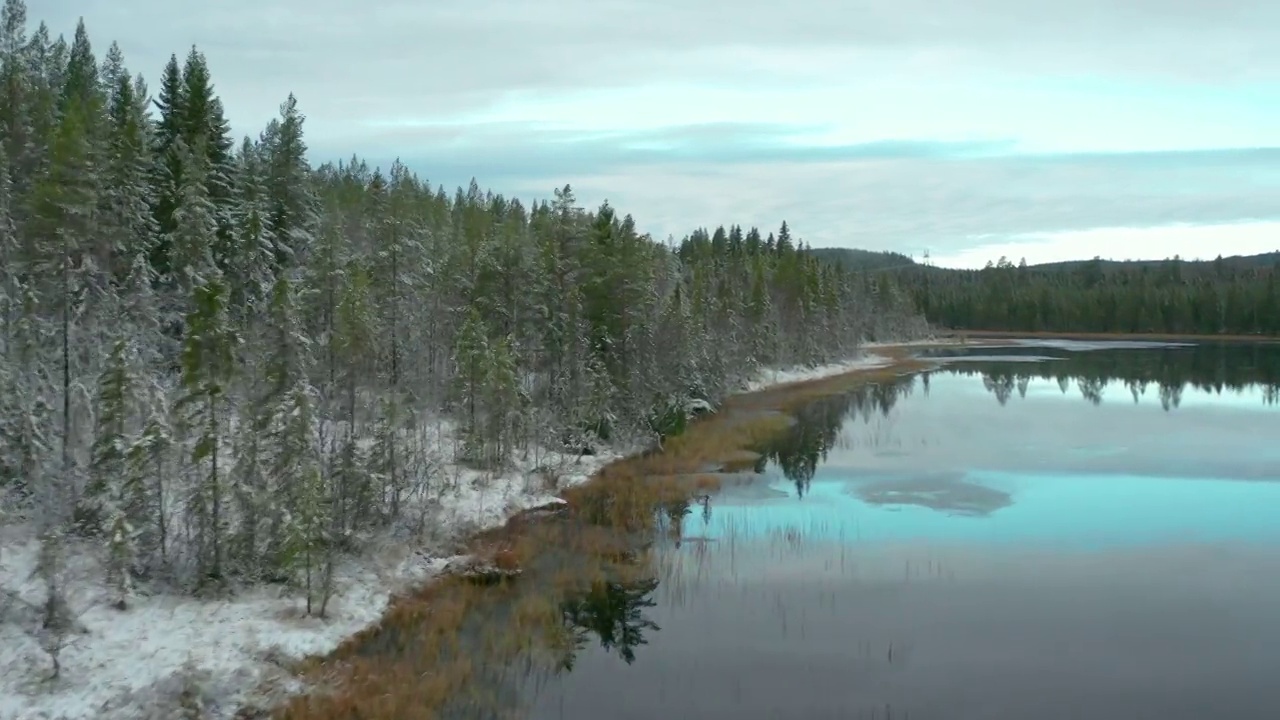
(219, 361)
(1232, 296)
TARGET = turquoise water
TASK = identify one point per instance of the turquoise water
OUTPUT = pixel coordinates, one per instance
(1059, 510)
(1036, 532)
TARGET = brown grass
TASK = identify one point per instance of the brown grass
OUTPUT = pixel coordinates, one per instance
(416, 660)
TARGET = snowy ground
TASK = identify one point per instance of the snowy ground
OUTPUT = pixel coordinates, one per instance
(867, 361)
(800, 374)
(120, 662)
(135, 664)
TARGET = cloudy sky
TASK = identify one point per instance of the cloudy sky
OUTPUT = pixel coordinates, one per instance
(971, 129)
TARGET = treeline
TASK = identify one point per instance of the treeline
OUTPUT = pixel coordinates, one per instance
(227, 364)
(1169, 372)
(1170, 297)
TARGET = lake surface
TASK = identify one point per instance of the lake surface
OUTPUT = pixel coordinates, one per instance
(1033, 532)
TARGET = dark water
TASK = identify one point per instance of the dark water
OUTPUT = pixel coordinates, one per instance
(1029, 533)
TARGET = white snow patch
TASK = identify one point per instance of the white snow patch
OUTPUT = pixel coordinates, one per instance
(134, 663)
(865, 361)
(926, 342)
(769, 378)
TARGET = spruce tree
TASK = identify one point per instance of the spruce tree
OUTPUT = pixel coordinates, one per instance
(208, 366)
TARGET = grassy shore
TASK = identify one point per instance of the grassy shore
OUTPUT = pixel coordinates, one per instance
(431, 651)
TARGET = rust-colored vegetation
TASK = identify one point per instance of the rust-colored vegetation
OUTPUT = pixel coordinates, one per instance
(439, 647)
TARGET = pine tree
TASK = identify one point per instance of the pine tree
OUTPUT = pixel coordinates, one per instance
(304, 525)
(291, 206)
(206, 132)
(63, 275)
(194, 236)
(167, 149)
(351, 349)
(110, 73)
(16, 88)
(120, 560)
(396, 252)
(111, 441)
(288, 407)
(251, 260)
(503, 402)
(126, 223)
(28, 382)
(10, 259)
(147, 477)
(208, 366)
(472, 356)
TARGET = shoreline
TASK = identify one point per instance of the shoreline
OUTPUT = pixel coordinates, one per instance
(961, 335)
(618, 501)
(241, 654)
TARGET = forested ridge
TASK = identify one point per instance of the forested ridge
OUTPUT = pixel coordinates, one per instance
(220, 362)
(1235, 296)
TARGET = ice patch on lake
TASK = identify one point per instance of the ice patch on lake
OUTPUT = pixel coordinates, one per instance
(1087, 345)
(947, 492)
(994, 358)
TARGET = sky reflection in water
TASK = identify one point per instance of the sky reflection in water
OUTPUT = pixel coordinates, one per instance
(989, 547)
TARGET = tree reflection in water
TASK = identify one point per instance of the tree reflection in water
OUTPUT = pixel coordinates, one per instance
(613, 612)
(1205, 368)
(804, 447)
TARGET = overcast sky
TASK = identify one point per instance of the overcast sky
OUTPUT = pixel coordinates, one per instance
(969, 128)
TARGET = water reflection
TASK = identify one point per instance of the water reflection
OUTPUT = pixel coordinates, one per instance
(913, 550)
(817, 430)
(524, 636)
(788, 625)
(1248, 371)
(1208, 379)
(615, 613)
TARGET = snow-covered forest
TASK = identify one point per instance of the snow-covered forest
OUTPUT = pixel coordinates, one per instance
(223, 367)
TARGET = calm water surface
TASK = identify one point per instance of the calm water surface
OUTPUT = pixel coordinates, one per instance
(1035, 532)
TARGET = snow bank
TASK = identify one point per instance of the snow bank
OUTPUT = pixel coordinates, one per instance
(770, 378)
(136, 664)
(866, 361)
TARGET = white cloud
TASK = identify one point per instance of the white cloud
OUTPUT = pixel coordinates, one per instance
(455, 88)
(349, 60)
(1190, 242)
(946, 206)
(1040, 114)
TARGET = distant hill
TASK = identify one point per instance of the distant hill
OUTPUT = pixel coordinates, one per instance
(854, 259)
(1234, 262)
